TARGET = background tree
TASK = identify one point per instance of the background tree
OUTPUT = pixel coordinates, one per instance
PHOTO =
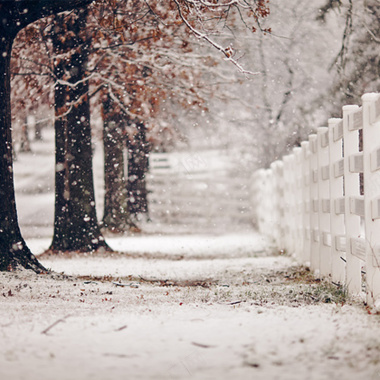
(16, 15)
(266, 115)
(202, 18)
(134, 74)
(356, 68)
(138, 165)
(76, 225)
(116, 216)
(116, 70)
(124, 26)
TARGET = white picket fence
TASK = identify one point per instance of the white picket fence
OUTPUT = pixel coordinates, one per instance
(310, 203)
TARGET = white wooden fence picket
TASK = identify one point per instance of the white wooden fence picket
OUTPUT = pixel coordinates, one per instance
(311, 203)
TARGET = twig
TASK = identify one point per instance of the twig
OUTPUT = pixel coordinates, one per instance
(55, 323)
(132, 285)
(202, 345)
(121, 328)
(235, 302)
(227, 52)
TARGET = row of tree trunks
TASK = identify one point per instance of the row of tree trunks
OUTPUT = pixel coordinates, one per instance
(16, 15)
(75, 224)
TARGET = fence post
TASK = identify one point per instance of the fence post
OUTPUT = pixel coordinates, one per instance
(314, 198)
(264, 203)
(299, 199)
(371, 143)
(305, 163)
(259, 188)
(287, 205)
(281, 192)
(278, 192)
(254, 189)
(291, 201)
(324, 202)
(269, 206)
(337, 200)
(351, 191)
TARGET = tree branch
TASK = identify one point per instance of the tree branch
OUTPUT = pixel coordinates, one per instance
(227, 52)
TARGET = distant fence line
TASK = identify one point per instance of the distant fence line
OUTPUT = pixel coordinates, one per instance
(198, 191)
(312, 203)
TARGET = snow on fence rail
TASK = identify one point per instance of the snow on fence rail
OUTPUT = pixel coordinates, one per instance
(314, 204)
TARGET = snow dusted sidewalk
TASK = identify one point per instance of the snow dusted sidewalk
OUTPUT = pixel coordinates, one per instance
(182, 307)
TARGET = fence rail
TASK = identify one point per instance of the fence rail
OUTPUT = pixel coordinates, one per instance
(322, 202)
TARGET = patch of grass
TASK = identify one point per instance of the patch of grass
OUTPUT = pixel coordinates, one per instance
(327, 292)
(320, 290)
(315, 289)
(300, 274)
(298, 286)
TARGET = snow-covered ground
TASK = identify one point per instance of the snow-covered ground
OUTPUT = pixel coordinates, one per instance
(166, 312)
(167, 306)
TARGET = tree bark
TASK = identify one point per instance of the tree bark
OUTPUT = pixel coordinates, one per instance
(24, 140)
(14, 253)
(138, 165)
(13, 250)
(116, 216)
(76, 226)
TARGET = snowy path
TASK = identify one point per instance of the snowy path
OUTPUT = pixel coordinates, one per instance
(200, 307)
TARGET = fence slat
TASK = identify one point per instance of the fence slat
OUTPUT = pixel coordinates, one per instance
(338, 168)
(337, 134)
(339, 206)
(356, 163)
(375, 160)
(356, 120)
(357, 205)
(358, 247)
(340, 245)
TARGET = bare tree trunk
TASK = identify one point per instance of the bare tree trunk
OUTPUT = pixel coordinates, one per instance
(37, 130)
(13, 250)
(116, 217)
(24, 140)
(138, 165)
(76, 226)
